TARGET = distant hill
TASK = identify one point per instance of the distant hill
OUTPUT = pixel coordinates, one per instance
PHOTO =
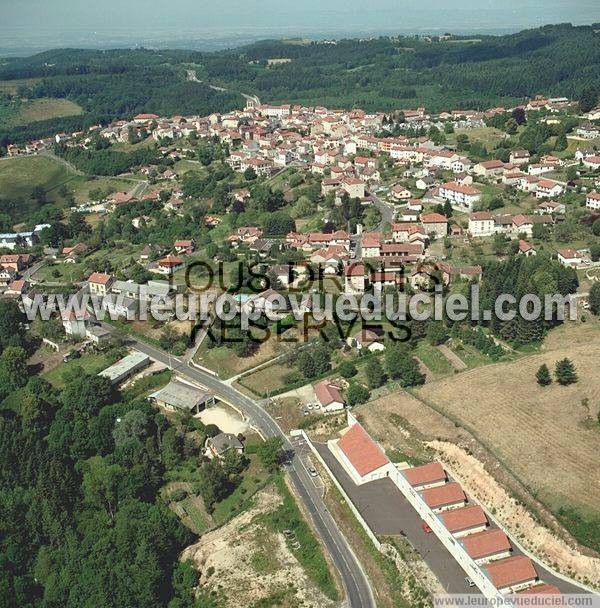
(378, 74)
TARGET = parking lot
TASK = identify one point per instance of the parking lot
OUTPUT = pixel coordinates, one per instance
(388, 513)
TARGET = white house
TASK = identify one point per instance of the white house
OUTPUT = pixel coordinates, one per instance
(461, 196)
(592, 201)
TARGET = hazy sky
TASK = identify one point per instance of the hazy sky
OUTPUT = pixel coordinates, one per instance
(45, 23)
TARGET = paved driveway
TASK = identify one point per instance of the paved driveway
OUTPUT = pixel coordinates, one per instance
(387, 512)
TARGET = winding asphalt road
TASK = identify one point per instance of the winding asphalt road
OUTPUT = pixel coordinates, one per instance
(356, 584)
(387, 211)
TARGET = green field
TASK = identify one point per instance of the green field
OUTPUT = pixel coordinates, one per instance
(62, 186)
(44, 109)
(91, 364)
(19, 176)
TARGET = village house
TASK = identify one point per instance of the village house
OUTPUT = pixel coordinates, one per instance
(592, 201)
(425, 182)
(588, 130)
(526, 249)
(220, 444)
(462, 197)
(435, 224)
(366, 339)
(481, 223)
(489, 168)
(328, 396)
(592, 162)
(16, 262)
(168, 265)
(519, 157)
(75, 323)
(355, 281)
(572, 258)
(371, 243)
(550, 208)
(548, 189)
(74, 253)
(184, 247)
(400, 193)
(99, 283)
(17, 288)
(541, 168)
(354, 187)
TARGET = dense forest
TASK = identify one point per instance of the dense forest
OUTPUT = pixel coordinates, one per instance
(82, 522)
(109, 85)
(377, 74)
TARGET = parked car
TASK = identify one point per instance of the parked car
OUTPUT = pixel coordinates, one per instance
(313, 472)
(426, 527)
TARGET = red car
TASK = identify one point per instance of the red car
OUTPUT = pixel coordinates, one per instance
(426, 528)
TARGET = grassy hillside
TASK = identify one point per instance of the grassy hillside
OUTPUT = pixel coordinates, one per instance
(14, 111)
(21, 177)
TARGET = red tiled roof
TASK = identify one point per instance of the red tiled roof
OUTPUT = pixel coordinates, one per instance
(327, 393)
(99, 277)
(434, 218)
(464, 189)
(448, 494)
(364, 454)
(486, 543)
(427, 473)
(170, 260)
(464, 518)
(355, 270)
(511, 571)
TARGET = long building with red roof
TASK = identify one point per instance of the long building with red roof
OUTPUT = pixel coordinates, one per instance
(362, 458)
